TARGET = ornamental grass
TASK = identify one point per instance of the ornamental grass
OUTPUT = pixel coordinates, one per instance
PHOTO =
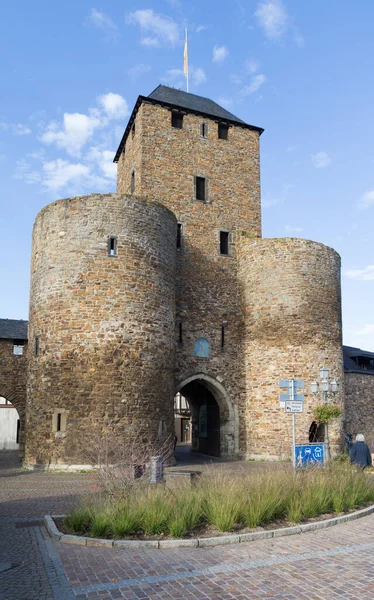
(223, 503)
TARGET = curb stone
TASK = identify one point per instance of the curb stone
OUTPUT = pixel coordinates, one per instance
(202, 542)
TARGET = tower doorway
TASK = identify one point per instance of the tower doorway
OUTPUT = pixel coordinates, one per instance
(209, 415)
(9, 425)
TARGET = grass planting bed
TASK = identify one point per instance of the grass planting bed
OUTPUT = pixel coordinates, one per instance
(218, 504)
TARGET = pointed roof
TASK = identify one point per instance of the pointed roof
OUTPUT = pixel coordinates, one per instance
(175, 99)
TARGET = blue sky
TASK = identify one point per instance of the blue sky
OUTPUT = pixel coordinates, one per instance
(71, 73)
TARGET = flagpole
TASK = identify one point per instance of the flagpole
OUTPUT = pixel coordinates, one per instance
(185, 66)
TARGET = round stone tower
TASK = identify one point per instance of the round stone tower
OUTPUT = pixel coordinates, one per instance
(101, 326)
(291, 303)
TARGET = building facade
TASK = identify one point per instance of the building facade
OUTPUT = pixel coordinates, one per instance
(168, 288)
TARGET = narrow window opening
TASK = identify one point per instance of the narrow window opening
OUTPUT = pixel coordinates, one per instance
(224, 242)
(132, 183)
(223, 131)
(58, 423)
(179, 236)
(133, 131)
(204, 130)
(177, 120)
(222, 336)
(18, 431)
(36, 346)
(200, 188)
(180, 333)
(112, 246)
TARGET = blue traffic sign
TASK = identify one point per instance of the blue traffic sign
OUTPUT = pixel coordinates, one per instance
(310, 454)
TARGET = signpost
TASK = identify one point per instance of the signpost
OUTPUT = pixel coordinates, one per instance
(293, 403)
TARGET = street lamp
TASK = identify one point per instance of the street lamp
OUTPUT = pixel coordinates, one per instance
(325, 387)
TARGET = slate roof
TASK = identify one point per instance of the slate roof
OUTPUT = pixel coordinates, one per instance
(350, 352)
(177, 99)
(11, 329)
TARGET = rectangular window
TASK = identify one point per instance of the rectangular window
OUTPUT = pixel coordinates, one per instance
(58, 422)
(222, 336)
(36, 346)
(223, 131)
(224, 246)
(204, 130)
(112, 245)
(177, 120)
(18, 431)
(180, 333)
(18, 348)
(200, 188)
(179, 236)
(132, 183)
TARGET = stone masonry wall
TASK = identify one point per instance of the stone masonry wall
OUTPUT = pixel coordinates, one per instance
(290, 294)
(13, 371)
(359, 405)
(207, 292)
(105, 325)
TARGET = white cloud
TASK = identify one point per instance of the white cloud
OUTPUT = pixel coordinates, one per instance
(251, 66)
(100, 21)
(104, 161)
(114, 106)
(157, 30)
(138, 70)
(367, 199)
(220, 53)
(256, 82)
(366, 330)
(198, 76)
(59, 173)
(365, 274)
(290, 229)
(77, 128)
(272, 17)
(321, 160)
(15, 129)
(201, 28)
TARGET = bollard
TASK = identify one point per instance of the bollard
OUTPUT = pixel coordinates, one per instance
(157, 469)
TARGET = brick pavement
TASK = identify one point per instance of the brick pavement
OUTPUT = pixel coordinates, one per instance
(333, 563)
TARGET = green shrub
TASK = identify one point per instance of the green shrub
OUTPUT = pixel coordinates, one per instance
(127, 521)
(101, 524)
(79, 520)
(223, 501)
(156, 514)
(186, 514)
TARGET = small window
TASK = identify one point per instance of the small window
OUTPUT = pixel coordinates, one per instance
(222, 336)
(179, 236)
(204, 130)
(133, 131)
(132, 183)
(112, 245)
(58, 422)
(18, 348)
(224, 246)
(180, 333)
(200, 188)
(177, 120)
(202, 348)
(36, 346)
(18, 431)
(223, 131)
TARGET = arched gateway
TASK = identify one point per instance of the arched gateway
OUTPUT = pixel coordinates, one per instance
(215, 428)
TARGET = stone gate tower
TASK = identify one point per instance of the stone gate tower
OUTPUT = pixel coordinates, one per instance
(167, 286)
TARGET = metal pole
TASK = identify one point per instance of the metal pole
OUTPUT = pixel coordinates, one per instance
(327, 441)
(292, 385)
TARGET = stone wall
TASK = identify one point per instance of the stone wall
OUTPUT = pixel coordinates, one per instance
(207, 292)
(290, 295)
(359, 405)
(13, 371)
(105, 325)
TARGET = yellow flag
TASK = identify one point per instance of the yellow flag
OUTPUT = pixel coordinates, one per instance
(185, 57)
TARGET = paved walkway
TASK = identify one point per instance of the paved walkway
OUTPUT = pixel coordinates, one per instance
(327, 564)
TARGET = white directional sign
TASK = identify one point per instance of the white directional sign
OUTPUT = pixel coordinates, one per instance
(293, 406)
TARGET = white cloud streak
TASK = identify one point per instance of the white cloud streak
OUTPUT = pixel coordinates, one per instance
(138, 70)
(366, 200)
(99, 20)
(321, 160)
(156, 30)
(365, 274)
(272, 17)
(219, 54)
(256, 82)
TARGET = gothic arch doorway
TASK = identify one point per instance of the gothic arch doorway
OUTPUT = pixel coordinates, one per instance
(213, 417)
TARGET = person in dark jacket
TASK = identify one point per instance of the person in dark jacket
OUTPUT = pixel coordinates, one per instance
(360, 453)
